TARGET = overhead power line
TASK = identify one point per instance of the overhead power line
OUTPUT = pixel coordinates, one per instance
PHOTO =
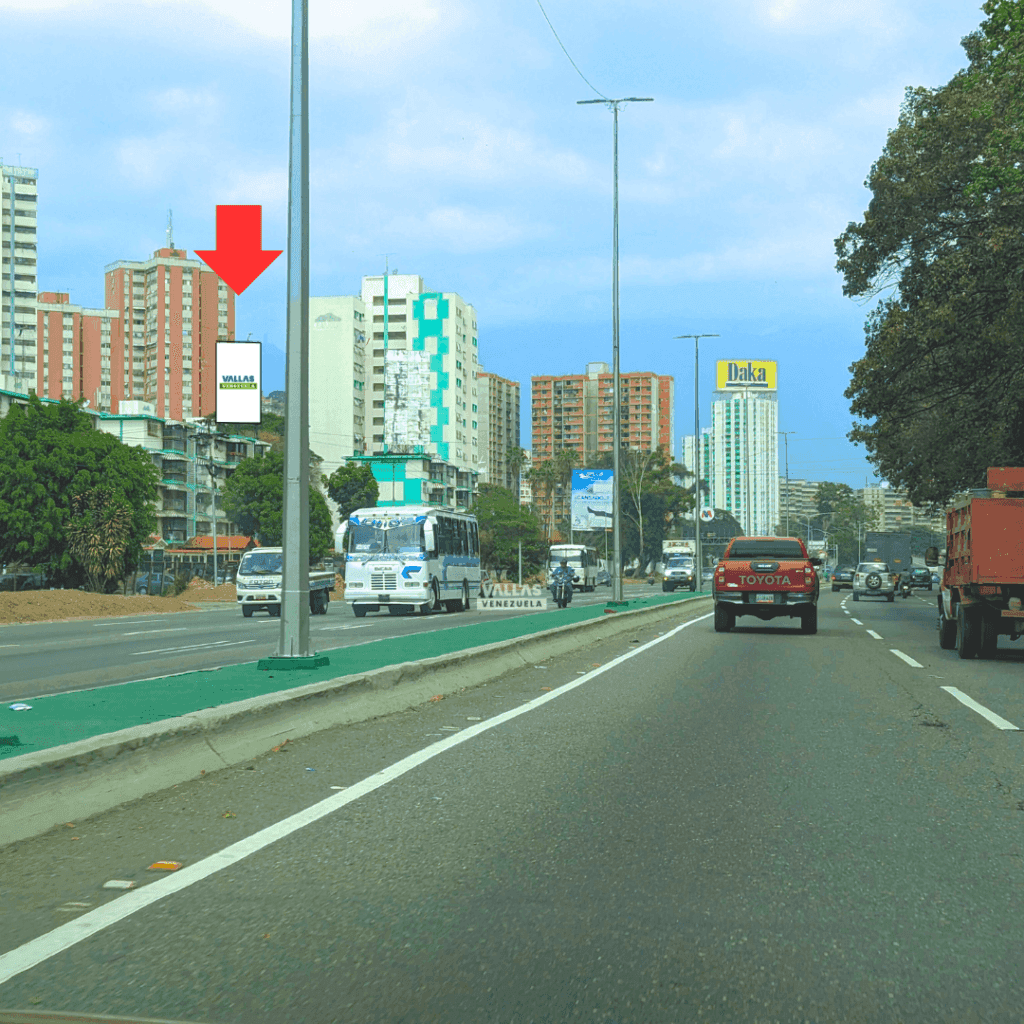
(566, 52)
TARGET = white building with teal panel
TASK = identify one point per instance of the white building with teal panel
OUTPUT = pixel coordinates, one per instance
(422, 377)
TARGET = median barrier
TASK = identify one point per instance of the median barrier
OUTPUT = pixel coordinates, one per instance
(76, 780)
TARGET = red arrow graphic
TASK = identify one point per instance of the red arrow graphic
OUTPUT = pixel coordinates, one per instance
(239, 257)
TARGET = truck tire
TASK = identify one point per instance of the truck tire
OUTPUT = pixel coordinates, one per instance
(275, 611)
(246, 612)
(359, 611)
(966, 631)
(724, 618)
(891, 597)
(988, 638)
(856, 596)
(809, 620)
(947, 631)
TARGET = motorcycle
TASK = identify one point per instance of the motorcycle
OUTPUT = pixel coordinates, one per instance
(562, 591)
(905, 588)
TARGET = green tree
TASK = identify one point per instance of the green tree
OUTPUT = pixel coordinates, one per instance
(847, 517)
(940, 389)
(48, 455)
(352, 486)
(254, 499)
(503, 523)
(650, 500)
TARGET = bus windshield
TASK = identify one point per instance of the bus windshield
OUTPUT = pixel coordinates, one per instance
(406, 538)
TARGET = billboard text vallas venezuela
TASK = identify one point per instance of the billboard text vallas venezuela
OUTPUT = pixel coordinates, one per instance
(746, 373)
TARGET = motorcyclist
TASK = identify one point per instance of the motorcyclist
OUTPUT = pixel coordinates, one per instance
(563, 574)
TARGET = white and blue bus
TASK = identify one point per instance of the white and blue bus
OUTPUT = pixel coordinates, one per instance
(409, 558)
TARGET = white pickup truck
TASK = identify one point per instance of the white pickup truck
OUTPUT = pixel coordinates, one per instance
(258, 584)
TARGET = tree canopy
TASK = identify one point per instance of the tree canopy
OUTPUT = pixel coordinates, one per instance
(649, 500)
(254, 498)
(503, 523)
(352, 486)
(50, 455)
(939, 390)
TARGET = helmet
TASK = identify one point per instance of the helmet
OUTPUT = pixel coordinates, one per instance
(565, 561)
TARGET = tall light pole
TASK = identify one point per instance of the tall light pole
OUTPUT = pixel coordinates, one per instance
(613, 105)
(696, 451)
(293, 641)
(785, 434)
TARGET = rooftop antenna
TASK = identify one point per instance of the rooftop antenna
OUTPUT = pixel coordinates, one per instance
(170, 229)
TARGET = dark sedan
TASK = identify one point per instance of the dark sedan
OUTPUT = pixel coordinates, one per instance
(842, 577)
(921, 578)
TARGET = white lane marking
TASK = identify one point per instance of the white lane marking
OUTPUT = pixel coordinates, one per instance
(170, 629)
(877, 636)
(36, 951)
(859, 623)
(906, 657)
(362, 625)
(195, 647)
(996, 720)
(10, 645)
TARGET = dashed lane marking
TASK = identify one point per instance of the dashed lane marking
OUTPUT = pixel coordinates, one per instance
(906, 657)
(877, 636)
(997, 720)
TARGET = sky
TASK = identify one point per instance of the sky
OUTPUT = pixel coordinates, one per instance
(448, 135)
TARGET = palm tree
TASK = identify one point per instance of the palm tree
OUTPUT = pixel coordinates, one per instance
(515, 457)
(566, 460)
(544, 475)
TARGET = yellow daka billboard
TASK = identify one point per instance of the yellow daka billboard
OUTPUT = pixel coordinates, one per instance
(756, 374)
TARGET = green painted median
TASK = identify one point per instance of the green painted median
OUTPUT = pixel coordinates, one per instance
(65, 718)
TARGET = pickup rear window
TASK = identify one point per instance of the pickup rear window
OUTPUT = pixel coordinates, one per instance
(766, 549)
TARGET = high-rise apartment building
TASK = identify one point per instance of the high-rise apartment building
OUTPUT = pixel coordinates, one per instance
(498, 402)
(577, 411)
(80, 352)
(338, 400)
(18, 252)
(738, 454)
(423, 382)
(173, 312)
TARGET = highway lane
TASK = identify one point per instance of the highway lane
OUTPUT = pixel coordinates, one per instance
(746, 827)
(55, 657)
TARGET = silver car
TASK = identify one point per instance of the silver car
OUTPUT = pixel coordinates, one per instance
(873, 579)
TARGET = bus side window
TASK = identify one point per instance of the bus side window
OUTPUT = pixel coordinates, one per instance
(474, 540)
(463, 539)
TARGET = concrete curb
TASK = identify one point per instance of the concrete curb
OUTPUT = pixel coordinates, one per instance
(77, 780)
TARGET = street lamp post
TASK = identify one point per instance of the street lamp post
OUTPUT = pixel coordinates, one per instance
(613, 105)
(696, 452)
(785, 434)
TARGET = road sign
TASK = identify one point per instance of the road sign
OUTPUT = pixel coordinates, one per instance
(707, 514)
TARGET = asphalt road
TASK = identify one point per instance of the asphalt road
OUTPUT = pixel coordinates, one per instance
(757, 826)
(55, 657)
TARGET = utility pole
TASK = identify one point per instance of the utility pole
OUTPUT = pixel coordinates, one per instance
(785, 434)
(696, 451)
(613, 105)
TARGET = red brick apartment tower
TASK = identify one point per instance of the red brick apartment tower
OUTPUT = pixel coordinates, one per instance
(79, 352)
(577, 411)
(174, 310)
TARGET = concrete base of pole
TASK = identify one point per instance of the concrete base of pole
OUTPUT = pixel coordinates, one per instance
(275, 664)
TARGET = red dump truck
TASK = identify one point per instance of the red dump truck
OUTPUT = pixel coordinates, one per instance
(982, 590)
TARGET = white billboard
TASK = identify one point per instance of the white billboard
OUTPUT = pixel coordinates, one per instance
(591, 499)
(239, 383)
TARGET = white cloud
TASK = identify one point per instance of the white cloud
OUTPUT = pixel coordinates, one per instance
(354, 24)
(201, 105)
(27, 123)
(450, 228)
(815, 17)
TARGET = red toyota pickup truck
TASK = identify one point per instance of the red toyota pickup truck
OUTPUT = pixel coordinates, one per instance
(766, 577)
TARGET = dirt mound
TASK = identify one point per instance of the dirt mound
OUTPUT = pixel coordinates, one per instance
(54, 605)
(204, 590)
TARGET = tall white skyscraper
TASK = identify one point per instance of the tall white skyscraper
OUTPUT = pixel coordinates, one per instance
(423, 383)
(738, 453)
(18, 200)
